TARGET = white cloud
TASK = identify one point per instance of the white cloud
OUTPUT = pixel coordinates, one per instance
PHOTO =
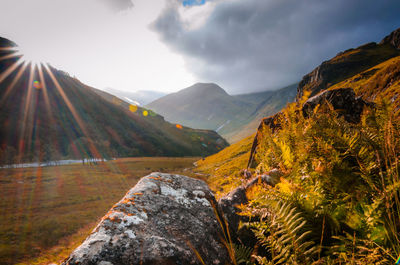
(101, 47)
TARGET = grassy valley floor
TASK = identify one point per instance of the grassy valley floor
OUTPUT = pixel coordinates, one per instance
(47, 212)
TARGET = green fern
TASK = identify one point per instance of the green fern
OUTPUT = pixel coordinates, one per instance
(284, 233)
(243, 254)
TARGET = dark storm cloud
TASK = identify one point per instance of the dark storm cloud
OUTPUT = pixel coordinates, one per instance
(118, 5)
(263, 44)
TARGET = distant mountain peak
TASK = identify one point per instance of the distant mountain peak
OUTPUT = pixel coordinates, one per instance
(206, 88)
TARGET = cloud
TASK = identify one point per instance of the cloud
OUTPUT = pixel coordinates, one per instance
(118, 5)
(252, 45)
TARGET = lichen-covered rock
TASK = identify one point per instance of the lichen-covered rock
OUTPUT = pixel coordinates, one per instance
(164, 219)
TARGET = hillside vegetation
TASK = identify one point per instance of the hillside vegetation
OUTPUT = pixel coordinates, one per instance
(224, 168)
(338, 200)
(380, 81)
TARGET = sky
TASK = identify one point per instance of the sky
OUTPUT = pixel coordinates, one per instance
(166, 45)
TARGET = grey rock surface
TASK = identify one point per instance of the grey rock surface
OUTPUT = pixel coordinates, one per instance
(228, 203)
(164, 219)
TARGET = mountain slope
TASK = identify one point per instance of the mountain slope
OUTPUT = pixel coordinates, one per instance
(347, 64)
(208, 106)
(46, 114)
(380, 81)
(268, 103)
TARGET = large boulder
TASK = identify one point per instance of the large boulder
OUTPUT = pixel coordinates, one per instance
(164, 219)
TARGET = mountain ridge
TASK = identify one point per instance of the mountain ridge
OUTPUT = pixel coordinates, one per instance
(349, 63)
(208, 106)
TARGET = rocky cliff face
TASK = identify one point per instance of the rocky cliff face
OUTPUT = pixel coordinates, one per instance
(164, 219)
(349, 63)
(393, 39)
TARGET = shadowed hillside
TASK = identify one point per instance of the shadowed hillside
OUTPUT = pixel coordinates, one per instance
(47, 115)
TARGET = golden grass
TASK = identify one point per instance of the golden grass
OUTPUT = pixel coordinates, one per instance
(224, 167)
(49, 211)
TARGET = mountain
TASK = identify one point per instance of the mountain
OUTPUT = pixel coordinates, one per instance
(46, 114)
(208, 106)
(371, 72)
(349, 63)
(267, 103)
(140, 97)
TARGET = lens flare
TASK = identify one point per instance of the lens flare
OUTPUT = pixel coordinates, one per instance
(133, 108)
(36, 84)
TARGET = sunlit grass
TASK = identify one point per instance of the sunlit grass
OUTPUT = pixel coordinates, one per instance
(51, 210)
(224, 168)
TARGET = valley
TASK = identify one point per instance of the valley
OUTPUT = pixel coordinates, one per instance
(48, 211)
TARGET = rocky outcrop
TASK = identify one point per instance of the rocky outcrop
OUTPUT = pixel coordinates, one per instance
(229, 203)
(349, 63)
(164, 219)
(393, 39)
(343, 100)
(274, 123)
